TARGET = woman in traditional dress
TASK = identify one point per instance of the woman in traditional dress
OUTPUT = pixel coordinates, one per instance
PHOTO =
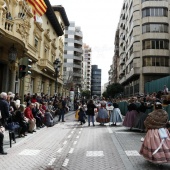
(156, 144)
(102, 116)
(143, 113)
(115, 115)
(131, 115)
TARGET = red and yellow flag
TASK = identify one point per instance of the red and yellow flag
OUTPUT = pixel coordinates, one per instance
(39, 6)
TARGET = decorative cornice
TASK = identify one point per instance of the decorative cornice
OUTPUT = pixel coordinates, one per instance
(53, 19)
(61, 9)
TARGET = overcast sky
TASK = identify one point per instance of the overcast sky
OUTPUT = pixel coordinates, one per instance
(98, 20)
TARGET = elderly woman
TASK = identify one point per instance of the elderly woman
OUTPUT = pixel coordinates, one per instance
(156, 145)
(49, 121)
(102, 116)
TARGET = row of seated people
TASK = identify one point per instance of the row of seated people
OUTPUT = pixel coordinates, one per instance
(27, 119)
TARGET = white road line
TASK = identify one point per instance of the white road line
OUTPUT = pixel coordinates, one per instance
(69, 136)
(71, 150)
(65, 162)
(75, 142)
(65, 142)
(59, 151)
(110, 130)
(80, 132)
(72, 131)
(77, 137)
(81, 129)
(52, 161)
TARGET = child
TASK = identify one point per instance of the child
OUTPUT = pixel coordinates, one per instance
(81, 116)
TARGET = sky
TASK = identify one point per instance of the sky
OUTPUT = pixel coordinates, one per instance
(98, 20)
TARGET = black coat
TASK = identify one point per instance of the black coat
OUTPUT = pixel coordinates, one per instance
(4, 107)
(90, 109)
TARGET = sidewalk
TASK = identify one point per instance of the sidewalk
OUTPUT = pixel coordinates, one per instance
(6, 135)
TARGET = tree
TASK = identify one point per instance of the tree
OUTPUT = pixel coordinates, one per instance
(113, 89)
(86, 93)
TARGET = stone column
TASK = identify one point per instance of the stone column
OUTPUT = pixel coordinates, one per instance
(12, 81)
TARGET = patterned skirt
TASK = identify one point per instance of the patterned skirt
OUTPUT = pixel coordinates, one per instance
(151, 142)
(130, 118)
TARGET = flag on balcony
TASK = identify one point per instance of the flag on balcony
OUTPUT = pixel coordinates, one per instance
(39, 6)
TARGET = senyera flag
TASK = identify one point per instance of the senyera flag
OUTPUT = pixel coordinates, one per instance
(39, 6)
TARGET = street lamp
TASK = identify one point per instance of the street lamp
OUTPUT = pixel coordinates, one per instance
(12, 54)
(57, 69)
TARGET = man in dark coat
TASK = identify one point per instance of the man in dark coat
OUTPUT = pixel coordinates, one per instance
(4, 108)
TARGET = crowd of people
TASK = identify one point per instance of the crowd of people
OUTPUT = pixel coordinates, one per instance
(144, 112)
(37, 111)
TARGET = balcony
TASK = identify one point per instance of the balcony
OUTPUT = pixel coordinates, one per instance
(121, 62)
(46, 64)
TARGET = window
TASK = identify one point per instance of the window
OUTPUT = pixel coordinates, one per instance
(159, 61)
(155, 44)
(155, 28)
(155, 12)
(35, 42)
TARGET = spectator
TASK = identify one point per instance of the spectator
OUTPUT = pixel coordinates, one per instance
(31, 119)
(165, 90)
(49, 121)
(37, 116)
(61, 106)
(2, 129)
(21, 119)
(4, 108)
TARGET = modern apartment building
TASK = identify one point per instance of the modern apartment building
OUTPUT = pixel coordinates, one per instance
(73, 56)
(113, 72)
(86, 81)
(95, 81)
(143, 43)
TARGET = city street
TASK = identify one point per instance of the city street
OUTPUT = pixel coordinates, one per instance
(71, 146)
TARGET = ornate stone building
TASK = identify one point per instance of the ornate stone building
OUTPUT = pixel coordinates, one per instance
(42, 42)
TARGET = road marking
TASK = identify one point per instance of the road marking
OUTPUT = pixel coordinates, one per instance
(65, 142)
(132, 153)
(72, 131)
(80, 132)
(65, 162)
(81, 128)
(59, 151)
(77, 137)
(75, 142)
(52, 161)
(69, 136)
(29, 152)
(109, 129)
(94, 153)
(71, 150)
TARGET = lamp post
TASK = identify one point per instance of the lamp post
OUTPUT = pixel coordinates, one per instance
(57, 69)
(12, 54)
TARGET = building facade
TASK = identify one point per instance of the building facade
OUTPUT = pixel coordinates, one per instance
(41, 42)
(73, 56)
(86, 81)
(143, 43)
(95, 81)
